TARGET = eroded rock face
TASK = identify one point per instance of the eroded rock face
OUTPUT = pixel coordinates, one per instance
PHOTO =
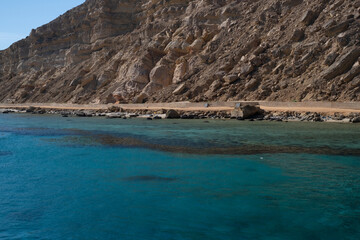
(161, 75)
(150, 50)
(180, 71)
(343, 65)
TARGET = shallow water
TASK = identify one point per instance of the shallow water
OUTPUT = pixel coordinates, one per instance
(94, 178)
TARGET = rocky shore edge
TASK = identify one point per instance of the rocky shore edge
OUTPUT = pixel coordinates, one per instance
(243, 112)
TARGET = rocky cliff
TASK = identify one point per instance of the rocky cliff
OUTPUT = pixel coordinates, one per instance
(199, 50)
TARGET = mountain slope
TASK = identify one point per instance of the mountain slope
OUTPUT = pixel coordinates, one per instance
(198, 50)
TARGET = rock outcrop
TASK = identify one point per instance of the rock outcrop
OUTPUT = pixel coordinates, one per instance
(246, 111)
(107, 51)
(343, 65)
(172, 114)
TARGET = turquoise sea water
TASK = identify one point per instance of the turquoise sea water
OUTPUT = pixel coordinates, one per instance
(95, 178)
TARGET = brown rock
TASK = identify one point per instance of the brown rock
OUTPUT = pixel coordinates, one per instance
(329, 24)
(219, 75)
(89, 82)
(177, 46)
(227, 67)
(180, 89)
(342, 65)
(330, 59)
(355, 82)
(292, 3)
(139, 72)
(246, 111)
(161, 75)
(309, 17)
(298, 35)
(141, 98)
(355, 120)
(231, 78)
(334, 30)
(215, 86)
(259, 50)
(197, 44)
(180, 72)
(343, 39)
(115, 109)
(252, 84)
(172, 114)
(110, 99)
(354, 71)
(245, 70)
(256, 60)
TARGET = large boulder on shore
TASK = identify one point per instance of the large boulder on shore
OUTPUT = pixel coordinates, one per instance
(246, 111)
(115, 109)
(30, 109)
(356, 120)
(172, 114)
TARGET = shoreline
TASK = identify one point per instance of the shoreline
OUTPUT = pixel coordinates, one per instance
(342, 107)
(276, 111)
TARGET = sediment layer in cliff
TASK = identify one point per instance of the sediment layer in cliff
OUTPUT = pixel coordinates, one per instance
(199, 50)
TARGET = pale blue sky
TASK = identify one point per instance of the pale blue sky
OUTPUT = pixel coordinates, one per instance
(18, 17)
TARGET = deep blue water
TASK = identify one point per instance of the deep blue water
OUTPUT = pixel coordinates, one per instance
(94, 178)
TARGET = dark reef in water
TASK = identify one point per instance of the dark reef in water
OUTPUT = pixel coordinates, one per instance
(149, 179)
(5, 153)
(243, 149)
(78, 138)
